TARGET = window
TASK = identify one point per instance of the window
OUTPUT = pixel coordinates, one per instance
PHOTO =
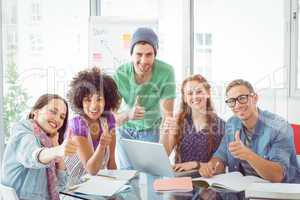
(42, 49)
(199, 39)
(239, 39)
(169, 14)
(242, 37)
(202, 53)
(36, 43)
(11, 40)
(36, 16)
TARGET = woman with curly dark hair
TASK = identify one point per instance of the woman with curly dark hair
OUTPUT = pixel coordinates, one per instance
(196, 132)
(93, 96)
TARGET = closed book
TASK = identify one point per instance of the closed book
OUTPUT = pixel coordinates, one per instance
(180, 184)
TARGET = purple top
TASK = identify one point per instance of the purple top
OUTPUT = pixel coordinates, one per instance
(80, 127)
(194, 145)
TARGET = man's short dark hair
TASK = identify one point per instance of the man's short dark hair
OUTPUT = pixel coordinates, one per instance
(239, 82)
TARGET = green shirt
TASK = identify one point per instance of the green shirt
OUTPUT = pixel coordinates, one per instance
(160, 86)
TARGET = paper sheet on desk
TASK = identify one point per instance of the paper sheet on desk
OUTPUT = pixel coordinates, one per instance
(119, 174)
(100, 186)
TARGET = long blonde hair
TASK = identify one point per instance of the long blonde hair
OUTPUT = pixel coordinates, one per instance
(186, 111)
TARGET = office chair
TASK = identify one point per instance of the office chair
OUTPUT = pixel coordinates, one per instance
(296, 128)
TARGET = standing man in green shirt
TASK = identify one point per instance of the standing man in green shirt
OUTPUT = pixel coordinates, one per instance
(147, 87)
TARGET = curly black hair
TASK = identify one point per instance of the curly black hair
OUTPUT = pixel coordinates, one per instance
(92, 81)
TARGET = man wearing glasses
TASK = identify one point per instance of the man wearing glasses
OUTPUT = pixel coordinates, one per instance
(256, 143)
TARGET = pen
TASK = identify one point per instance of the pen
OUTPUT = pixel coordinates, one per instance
(74, 187)
(107, 176)
(217, 164)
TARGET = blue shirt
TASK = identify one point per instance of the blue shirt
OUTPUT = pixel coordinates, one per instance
(272, 140)
(20, 168)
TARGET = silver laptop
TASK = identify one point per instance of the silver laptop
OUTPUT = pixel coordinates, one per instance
(151, 158)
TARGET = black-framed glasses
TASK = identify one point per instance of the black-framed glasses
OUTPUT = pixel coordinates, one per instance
(242, 99)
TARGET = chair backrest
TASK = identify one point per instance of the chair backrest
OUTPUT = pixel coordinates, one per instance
(8, 193)
(296, 128)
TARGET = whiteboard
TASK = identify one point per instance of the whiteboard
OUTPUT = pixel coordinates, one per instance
(109, 40)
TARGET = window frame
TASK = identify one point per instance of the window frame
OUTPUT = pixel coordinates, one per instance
(2, 145)
(95, 7)
(293, 14)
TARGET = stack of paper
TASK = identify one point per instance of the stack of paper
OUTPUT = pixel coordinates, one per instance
(99, 186)
(181, 184)
(273, 191)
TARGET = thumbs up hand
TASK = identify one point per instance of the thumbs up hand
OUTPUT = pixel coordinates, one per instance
(137, 112)
(105, 138)
(169, 125)
(68, 147)
(237, 137)
(238, 149)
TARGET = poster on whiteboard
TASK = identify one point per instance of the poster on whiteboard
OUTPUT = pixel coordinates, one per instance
(109, 40)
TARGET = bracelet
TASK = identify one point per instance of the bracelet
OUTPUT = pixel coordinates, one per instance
(38, 155)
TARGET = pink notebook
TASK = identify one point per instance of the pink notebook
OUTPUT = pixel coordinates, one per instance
(180, 184)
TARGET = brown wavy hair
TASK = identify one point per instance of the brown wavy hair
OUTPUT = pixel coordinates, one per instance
(185, 112)
(43, 101)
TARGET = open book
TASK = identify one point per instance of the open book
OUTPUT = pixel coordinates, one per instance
(273, 191)
(232, 181)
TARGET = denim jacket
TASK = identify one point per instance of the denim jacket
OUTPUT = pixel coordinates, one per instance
(20, 168)
(272, 140)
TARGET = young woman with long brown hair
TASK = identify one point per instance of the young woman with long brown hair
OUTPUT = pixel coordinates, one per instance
(196, 132)
(33, 159)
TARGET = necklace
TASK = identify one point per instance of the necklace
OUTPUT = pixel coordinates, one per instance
(94, 130)
(94, 127)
